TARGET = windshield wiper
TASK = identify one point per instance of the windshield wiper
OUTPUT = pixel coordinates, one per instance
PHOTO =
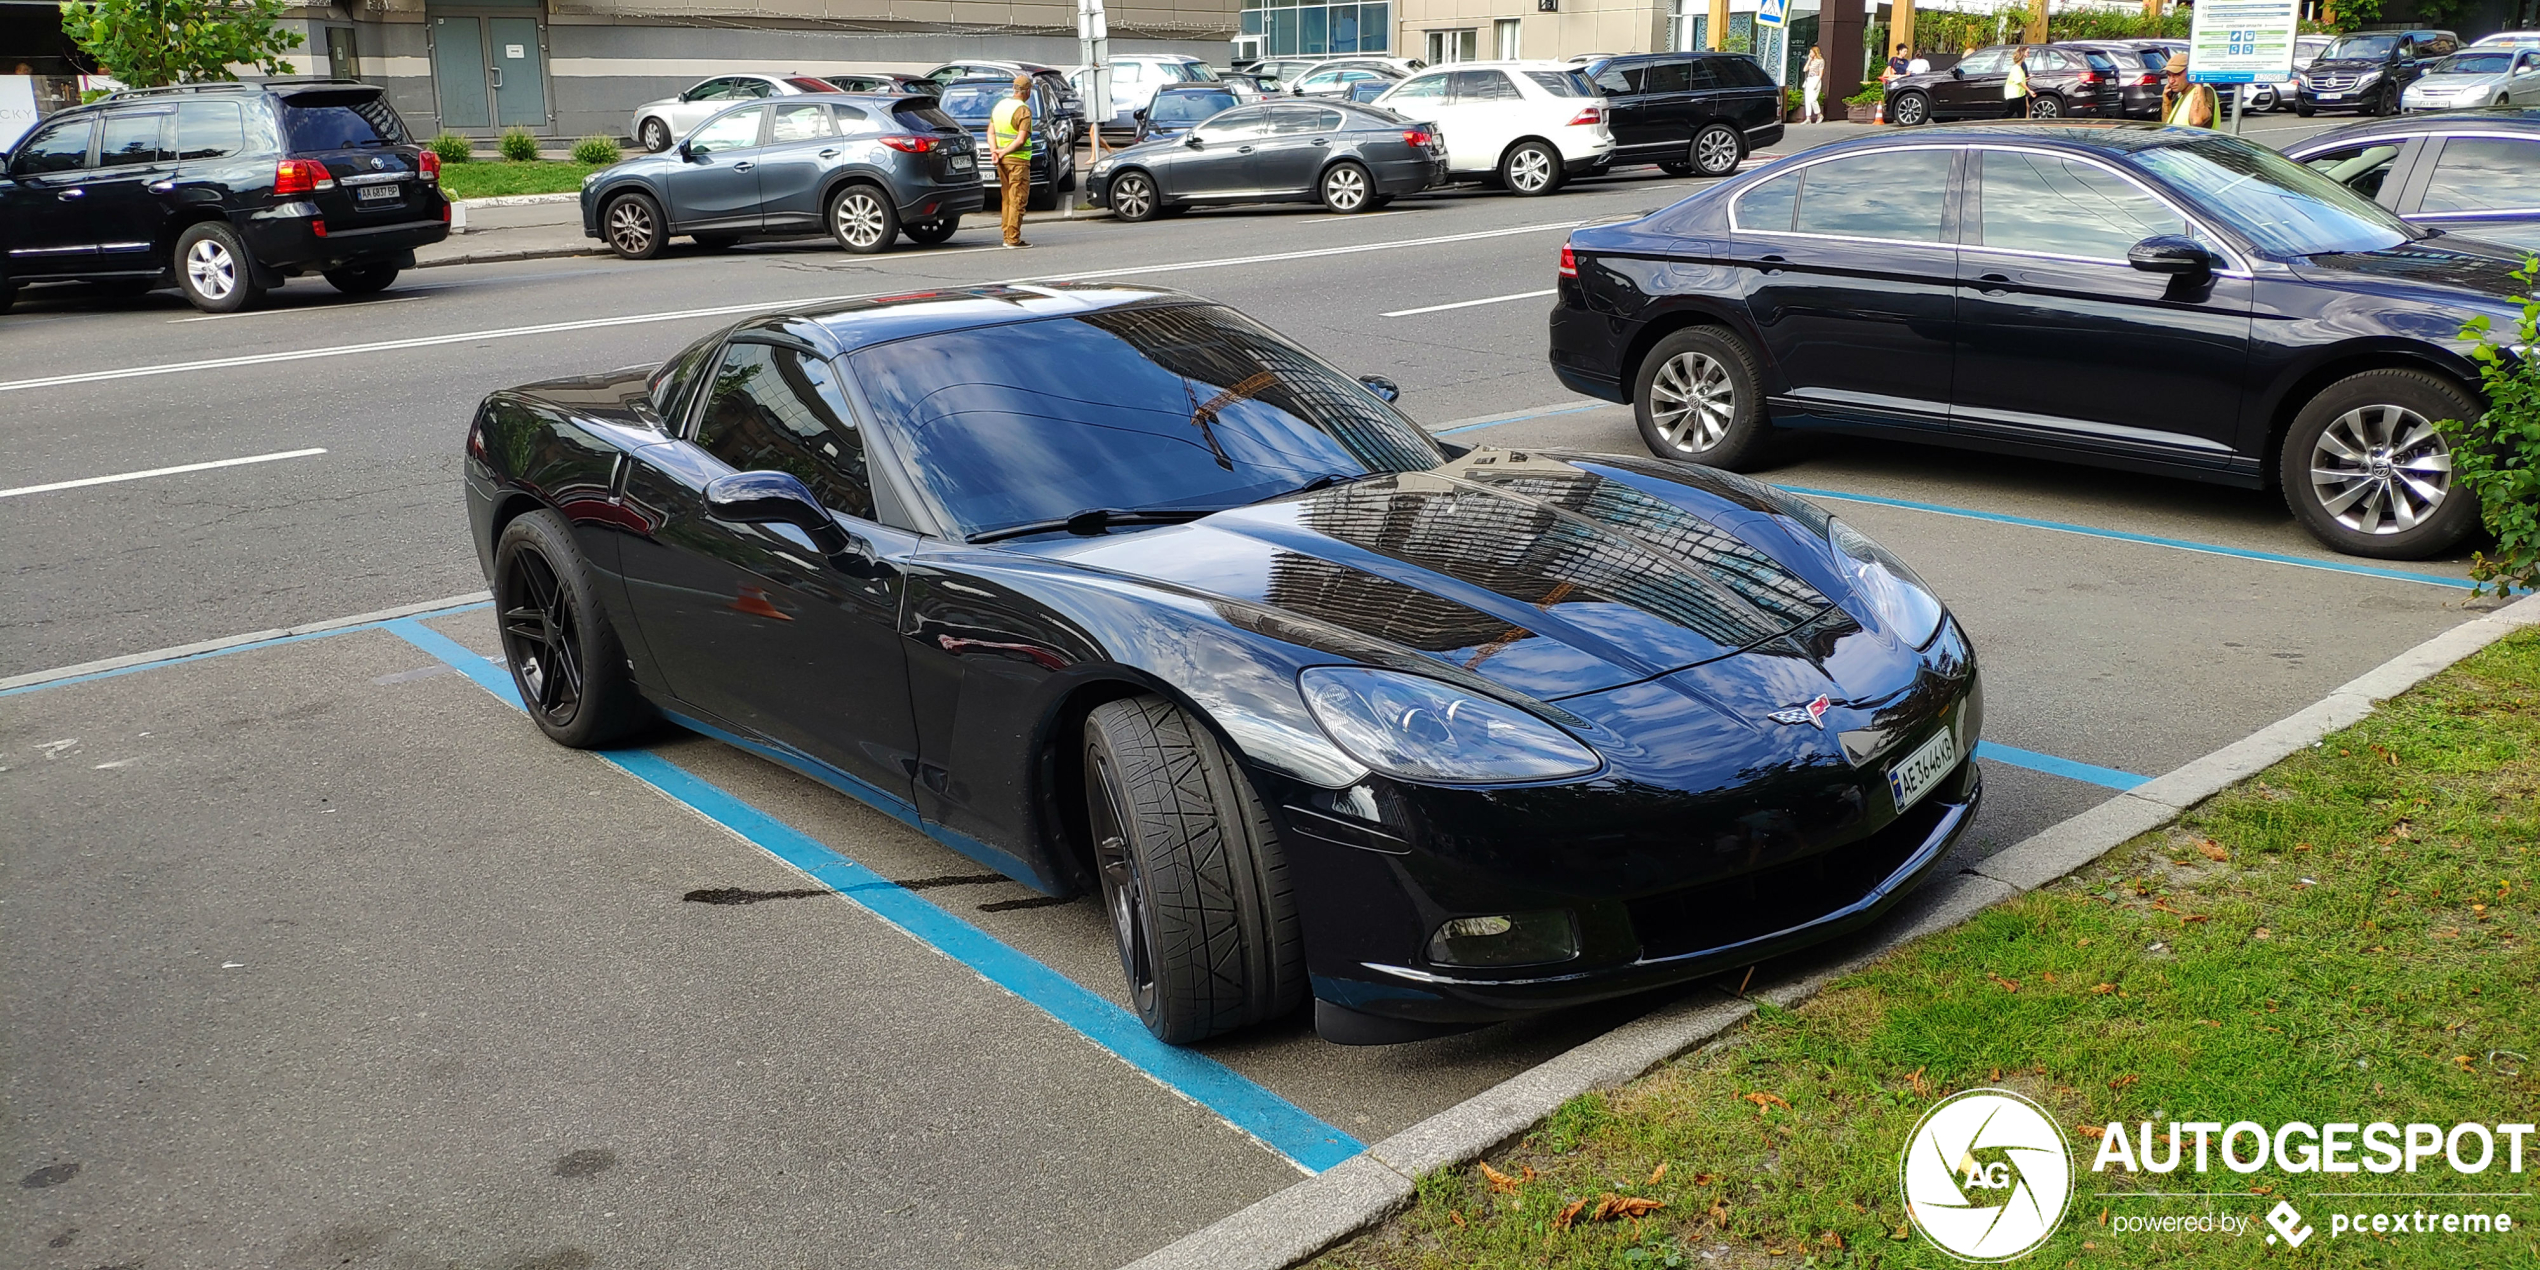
(1325, 481)
(1096, 520)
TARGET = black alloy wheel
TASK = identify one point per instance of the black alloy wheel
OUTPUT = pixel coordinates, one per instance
(1347, 188)
(1911, 109)
(564, 658)
(1716, 150)
(1530, 168)
(933, 231)
(654, 135)
(2046, 106)
(1133, 197)
(362, 279)
(632, 225)
(213, 270)
(1192, 875)
(862, 219)
(2389, 100)
(1698, 399)
(2366, 471)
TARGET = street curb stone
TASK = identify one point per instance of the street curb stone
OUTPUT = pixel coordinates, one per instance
(1304, 1219)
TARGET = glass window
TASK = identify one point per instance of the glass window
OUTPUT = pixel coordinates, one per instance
(1622, 80)
(209, 130)
(1897, 194)
(1292, 121)
(1190, 107)
(1375, 28)
(1986, 62)
(1428, 88)
(1479, 86)
(732, 130)
(2286, 209)
(132, 139)
(856, 121)
(2065, 207)
(1320, 79)
(1562, 83)
(2358, 168)
(1236, 125)
(802, 122)
(2372, 48)
(777, 410)
(756, 88)
(973, 101)
(725, 89)
(1769, 205)
(1312, 36)
(669, 386)
(1154, 407)
(61, 147)
(327, 122)
(1704, 72)
(1667, 77)
(2473, 174)
(1345, 28)
(1508, 38)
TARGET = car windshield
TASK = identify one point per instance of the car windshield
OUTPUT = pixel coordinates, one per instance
(2364, 46)
(2475, 64)
(973, 101)
(1181, 406)
(2284, 208)
(1196, 72)
(340, 122)
(1189, 107)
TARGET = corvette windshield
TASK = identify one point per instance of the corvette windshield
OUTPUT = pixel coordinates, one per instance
(1188, 406)
(2286, 209)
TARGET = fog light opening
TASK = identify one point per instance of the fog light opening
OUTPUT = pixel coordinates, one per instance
(1506, 939)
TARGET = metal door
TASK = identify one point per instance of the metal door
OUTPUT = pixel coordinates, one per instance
(518, 71)
(458, 72)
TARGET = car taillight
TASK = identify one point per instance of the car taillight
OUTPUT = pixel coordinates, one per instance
(301, 176)
(910, 145)
(2150, 79)
(317, 226)
(429, 164)
(1589, 116)
(1421, 137)
(1569, 262)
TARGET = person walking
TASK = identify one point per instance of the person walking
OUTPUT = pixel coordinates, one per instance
(1812, 86)
(2015, 93)
(2182, 103)
(1010, 145)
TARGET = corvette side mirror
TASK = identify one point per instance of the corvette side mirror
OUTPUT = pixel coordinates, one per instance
(774, 498)
(1385, 389)
(2170, 254)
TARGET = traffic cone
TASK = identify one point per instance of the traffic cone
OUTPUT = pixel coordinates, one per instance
(1878, 113)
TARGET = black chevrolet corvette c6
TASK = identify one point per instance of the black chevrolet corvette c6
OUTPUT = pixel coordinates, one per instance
(1113, 589)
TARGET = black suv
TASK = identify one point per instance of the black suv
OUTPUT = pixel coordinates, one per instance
(2062, 81)
(2368, 70)
(224, 190)
(1688, 112)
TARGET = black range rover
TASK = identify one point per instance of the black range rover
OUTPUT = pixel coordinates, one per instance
(1688, 112)
(221, 190)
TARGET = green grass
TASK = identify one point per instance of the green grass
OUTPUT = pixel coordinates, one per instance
(2362, 951)
(486, 178)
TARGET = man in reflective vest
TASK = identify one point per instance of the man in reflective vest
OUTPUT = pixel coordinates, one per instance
(1010, 142)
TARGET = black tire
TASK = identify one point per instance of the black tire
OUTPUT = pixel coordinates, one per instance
(2046, 106)
(1530, 168)
(933, 231)
(1133, 197)
(1698, 399)
(1911, 110)
(1347, 188)
(863, 220)
(715, 242)
(2378, 425)
(1675, 167)
(362, 279)
(632, 226)
(1041, 199)
(212, 268)
(2302, 109)
(1717, 150)
(564, 657)
(1192, 874)
(653, 135)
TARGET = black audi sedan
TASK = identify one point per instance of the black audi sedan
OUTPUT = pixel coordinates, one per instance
(2166, 300)
(1120, 593)
(1349, 157)
(2473, 172)
(2063, 81)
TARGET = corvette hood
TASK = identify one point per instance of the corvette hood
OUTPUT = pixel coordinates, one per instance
(1549, 576)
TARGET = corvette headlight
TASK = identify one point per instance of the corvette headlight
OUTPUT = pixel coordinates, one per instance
(1420, 729)
(1905, 606)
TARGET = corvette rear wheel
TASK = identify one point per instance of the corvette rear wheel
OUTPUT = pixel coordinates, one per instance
(1697, 400)
(1192, 874)
(564, 657)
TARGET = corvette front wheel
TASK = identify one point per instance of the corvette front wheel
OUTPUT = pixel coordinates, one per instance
(564, 656)
(1192, 875)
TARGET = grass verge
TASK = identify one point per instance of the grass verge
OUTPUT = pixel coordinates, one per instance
(2346, 937)
(484, 178)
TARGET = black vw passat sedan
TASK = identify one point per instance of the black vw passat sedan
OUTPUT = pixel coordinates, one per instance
(864, 168)
(1349, 157)
(2163, 300)
(2474, 172)
(223, 190)
(1116, 591)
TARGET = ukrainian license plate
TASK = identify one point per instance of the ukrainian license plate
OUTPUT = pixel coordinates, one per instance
(1915, 774)
(388, 193)
(2330, 96)
(961, 163)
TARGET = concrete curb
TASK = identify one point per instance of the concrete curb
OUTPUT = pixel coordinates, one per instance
(498, 257)
(1310, 1216)
(518, 200)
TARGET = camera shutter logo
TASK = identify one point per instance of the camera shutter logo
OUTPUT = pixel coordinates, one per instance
(2287, 1221)
(1987, 1175)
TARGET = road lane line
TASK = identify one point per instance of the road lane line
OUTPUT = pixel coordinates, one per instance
(2069, 769)
(1493, 421)
(161, 471)
(1472, 304)
(337, 307)
(1326, 220)
(109, 667)
(1235, 1099)
(1315, 254)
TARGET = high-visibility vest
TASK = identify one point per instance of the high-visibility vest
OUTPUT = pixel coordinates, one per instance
(1005, 123)
(2183, 106)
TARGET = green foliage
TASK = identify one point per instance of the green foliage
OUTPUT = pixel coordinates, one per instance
(1870, 95)
(498, 180)
(2354, 15)
(2497, 455)
(519, 146)
(147, 43)
(453, 148)
(597, 151)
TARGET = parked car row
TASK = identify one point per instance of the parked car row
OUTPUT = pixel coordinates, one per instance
(657, 124)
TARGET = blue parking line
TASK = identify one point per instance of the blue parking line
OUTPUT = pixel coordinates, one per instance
(1540, 414)
(1267, 1118)
(276, 642)
(2053, 766)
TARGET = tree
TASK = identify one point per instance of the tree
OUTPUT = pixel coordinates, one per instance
(146, 43)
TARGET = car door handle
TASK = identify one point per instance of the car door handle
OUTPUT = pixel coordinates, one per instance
(1243, 149)
(830, 153)
(743, 166)
(1322, 141)
(1995, 277)
(1772, 265)
(68, 195)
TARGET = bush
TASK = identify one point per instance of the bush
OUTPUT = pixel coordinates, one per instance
(1871, 94)
(453, 148)
(519, 146)
(597, 151)
(2497, 455)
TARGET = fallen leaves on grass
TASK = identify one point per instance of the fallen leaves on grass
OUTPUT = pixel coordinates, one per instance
(2122, 1081)
(1568, 1214)
(2467, 1063)
(1719, 1214)
(2212, 850)
(1658, 1174)
(1702, 1179)
(2093, 1131)
(2263, 933)
(2007, 985)
(1614, 1207)
(1922, 1088)
(1504, 1183)
(1763, 1100)
(2104, 989)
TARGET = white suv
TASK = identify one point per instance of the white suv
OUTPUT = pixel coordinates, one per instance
(1134, 79)
(1529, 124)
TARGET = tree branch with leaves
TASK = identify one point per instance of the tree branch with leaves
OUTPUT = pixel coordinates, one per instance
(147, 43)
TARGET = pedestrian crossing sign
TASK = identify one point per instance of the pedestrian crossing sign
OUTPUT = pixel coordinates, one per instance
(1771, 12)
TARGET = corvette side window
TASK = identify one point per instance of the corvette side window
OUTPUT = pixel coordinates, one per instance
(774, 409)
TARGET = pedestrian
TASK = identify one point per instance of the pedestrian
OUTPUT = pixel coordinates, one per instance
(1010, 144)
(2183, 103)
(1896, 63)
(1812, 87)
(2015, 94)
(1921, 65)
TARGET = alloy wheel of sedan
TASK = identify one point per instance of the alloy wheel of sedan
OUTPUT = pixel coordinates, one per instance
(2381, 469)
(633, 228)
(211, 269)
(654, 135)
(1133, 197)
(1715, 151)
(1692, 402)
(1531, 168)
(540, 638)
(860, 220)
(1345, 188)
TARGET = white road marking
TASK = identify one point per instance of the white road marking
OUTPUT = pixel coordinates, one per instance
(726, 310)
(1468, 304)
(305, 308)
(1326, 220)
(160, 471)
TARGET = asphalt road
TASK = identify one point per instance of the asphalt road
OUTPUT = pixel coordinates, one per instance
(318, 954)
